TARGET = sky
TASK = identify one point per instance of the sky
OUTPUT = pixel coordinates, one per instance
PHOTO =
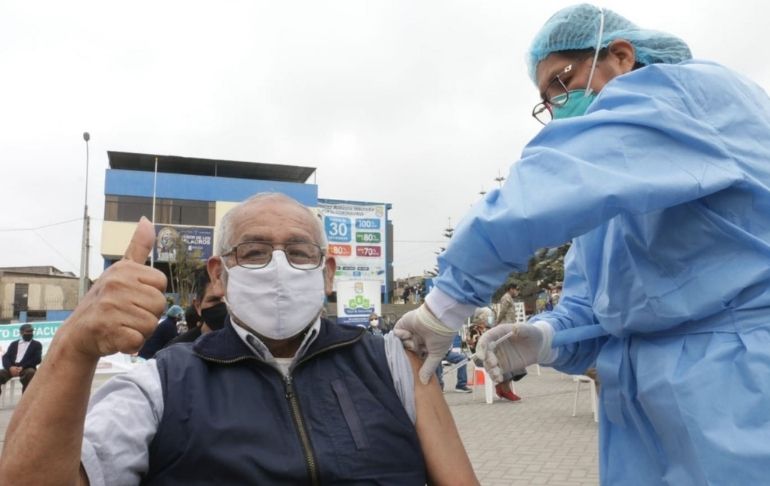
(421, 104)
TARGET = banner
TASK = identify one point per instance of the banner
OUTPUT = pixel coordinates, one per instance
(45, 331)
(198, 240)
(356, 300)
(356, 237)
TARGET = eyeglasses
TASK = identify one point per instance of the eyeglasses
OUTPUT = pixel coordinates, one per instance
(556, 94)
(258, 254)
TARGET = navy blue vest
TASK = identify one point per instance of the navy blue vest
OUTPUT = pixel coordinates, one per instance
(229, 418)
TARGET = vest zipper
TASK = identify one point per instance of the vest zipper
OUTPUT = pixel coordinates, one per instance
(296, 414)
(291, 397)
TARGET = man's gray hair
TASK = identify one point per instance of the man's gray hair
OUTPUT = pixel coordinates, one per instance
(225, 228)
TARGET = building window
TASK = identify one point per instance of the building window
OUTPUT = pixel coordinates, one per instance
(167, 211)
(20, 298)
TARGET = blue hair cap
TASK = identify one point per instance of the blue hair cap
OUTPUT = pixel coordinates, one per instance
(577, 27)
(175, 311)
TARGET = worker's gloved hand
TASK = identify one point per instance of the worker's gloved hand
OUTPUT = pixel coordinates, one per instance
(420, 331)
(521, 345)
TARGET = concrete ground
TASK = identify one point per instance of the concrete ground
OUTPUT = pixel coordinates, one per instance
(534, 441)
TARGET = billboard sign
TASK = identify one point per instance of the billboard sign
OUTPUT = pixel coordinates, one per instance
(356, 236)
(198, 241)
(356, 300)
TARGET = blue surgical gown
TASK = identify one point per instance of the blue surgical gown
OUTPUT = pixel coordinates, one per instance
(664, 189)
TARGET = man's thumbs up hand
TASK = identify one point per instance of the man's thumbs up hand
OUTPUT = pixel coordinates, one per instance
(122, 308)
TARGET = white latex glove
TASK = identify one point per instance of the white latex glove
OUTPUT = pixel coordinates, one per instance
(527, 344)
(420, 331)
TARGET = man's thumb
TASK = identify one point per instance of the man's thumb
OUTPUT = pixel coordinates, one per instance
(141, 243)
(428, 368)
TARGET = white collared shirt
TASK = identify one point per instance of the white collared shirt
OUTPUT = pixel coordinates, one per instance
(22, 350)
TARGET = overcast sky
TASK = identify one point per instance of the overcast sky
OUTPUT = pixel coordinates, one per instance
(417, 103)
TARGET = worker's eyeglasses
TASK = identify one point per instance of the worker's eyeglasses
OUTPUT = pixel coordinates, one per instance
(258, 254)
(556, 94)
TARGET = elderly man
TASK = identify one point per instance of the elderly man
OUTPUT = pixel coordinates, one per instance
(278, 396)
(22, 358)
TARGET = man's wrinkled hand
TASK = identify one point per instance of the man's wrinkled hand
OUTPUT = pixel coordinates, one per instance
(122, 308)
(421, 332)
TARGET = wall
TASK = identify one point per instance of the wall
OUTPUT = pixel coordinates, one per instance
(45, 292)
(201, 188)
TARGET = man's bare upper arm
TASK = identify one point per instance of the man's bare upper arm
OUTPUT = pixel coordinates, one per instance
(443, 450)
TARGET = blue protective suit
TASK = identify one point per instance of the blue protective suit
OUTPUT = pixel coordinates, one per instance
(664, 187)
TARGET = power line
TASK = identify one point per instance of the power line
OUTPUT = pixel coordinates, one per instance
(56, 250)
(419, 241)
(6, 230)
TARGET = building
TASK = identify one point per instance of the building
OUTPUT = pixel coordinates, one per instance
(36, 293)
(186, 197)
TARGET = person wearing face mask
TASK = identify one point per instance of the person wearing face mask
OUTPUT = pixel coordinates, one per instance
(22, 358)
(277, 396)
(374, 325)
(658, 172)
(167, 330)
(209, 308)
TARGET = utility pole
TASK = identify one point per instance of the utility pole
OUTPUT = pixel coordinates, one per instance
(84, 250)
(154, 191)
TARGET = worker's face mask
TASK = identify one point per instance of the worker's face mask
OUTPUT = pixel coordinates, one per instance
(214, 316)
(277, 301)
(576, 104)
(374, 322)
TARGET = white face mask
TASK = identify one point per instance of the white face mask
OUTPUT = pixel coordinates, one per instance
(277, 301)
(374, 322)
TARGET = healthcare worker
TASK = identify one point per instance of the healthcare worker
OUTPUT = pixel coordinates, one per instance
(658, 170)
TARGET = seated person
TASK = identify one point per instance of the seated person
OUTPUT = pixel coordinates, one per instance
(278, 396)
(209, 309)
(22, 358)
(484, 319)
(455, 356)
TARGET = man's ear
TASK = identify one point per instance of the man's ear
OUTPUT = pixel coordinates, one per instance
(623, 54)
(215, 270)
(330, 267)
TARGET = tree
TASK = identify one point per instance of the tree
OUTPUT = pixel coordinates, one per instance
(448, 233)
(545, 267)
(182, 269)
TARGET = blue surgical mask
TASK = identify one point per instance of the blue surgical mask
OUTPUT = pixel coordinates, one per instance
(578, 101)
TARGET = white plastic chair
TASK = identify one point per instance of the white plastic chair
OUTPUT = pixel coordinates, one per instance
(489, 387)
(578, 379)
(9, 391)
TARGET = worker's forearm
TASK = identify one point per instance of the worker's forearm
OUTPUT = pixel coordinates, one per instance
(47, 425)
